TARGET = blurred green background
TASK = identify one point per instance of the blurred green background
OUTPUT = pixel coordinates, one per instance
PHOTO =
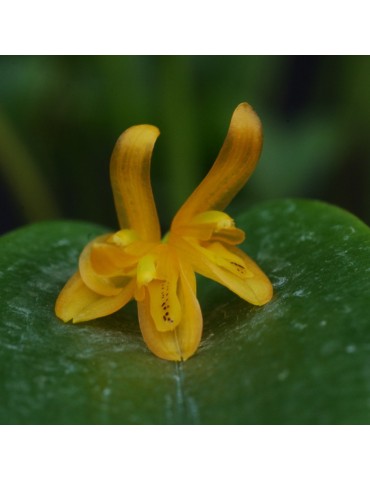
(60, 117)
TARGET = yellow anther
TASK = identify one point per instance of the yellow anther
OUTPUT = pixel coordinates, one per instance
(125, 237)
(220, 220)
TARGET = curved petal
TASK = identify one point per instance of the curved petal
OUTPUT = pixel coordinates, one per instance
(256, 289)
(235, 270)
(102, 285)
(232, 168)
(109, 259)
(212, 226)
(190, 329)
(78, 303)
(182, 342)
(130, 179)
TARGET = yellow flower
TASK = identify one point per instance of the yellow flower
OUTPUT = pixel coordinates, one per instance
(160, 273)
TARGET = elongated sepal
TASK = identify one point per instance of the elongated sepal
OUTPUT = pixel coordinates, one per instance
(130, 180)
(234, 165)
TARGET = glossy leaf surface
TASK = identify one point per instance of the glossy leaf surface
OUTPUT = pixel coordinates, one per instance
(303, 358)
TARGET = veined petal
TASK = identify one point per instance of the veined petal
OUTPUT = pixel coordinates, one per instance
(232, 168)
(231, 267)
(130, 179)
(78, 303)
(182, 342)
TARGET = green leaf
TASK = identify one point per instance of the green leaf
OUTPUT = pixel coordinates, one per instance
(303, 358)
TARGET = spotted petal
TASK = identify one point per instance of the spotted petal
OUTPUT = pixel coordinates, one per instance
(181, 342)
(229, 266)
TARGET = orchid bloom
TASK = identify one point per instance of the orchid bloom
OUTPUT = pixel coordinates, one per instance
(160, 273)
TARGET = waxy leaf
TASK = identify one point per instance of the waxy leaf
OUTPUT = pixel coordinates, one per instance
(302, 358)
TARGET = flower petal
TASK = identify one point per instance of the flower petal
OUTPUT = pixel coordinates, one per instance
(190, 329)
(232, 168)
(212, 225)
(231, 267)
(165, 308)
(78, 303)
(101, 284)
(130, 179)
(233, 236)
(182, 342)
(111, 260)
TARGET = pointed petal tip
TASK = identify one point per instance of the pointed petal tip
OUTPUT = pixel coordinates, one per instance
(234, 165)
(77, 303)
(243, 117)
(265, 293)
(171, 355)
(146, 131)
(59, 311)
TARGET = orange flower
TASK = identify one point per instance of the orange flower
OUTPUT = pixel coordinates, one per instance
(160, 273)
